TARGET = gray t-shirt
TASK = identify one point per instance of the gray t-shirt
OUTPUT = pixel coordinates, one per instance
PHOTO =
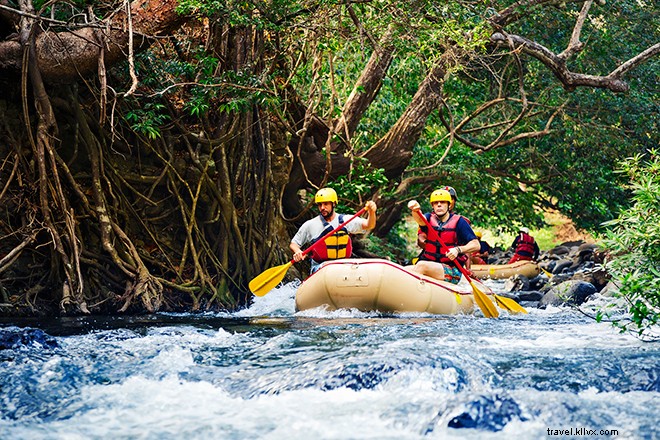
(314, 227)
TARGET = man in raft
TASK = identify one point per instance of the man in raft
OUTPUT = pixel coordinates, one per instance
(454, 231)
(339, 244)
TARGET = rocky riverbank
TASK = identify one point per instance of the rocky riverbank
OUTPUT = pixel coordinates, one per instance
(571, 273)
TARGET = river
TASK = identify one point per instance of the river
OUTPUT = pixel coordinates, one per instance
(267, 372)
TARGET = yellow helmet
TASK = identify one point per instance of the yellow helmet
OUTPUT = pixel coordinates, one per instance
(440, 195)
(325, 195)
(478, 234)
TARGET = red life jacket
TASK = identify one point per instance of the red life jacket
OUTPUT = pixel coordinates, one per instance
(525, 245)
(447, 232)
(338, 245)
(466, 219)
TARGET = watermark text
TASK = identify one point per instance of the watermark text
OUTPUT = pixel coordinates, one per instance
(581, 431)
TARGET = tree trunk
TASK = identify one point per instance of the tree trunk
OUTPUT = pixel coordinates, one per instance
(65, 57)
(394, 151)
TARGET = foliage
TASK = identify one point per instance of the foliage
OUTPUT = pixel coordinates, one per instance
(360, 182)
(571, 168)
(501, 188)
(207, 136)
(389, 248)
(147, 120)
(633, 240)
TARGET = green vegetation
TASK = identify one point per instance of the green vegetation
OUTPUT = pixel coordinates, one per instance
(182, 190)
(633, 240)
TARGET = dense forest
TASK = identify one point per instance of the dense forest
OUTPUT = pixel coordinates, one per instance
(157, 155)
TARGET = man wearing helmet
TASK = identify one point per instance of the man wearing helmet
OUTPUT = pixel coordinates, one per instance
(452, 193)
(452, 229)
(452, 210)
(338, 245)
(524, 247)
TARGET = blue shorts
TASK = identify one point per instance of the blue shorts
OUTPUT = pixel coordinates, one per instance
(452, 274)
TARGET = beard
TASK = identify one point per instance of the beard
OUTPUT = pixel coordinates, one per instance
(327, 215)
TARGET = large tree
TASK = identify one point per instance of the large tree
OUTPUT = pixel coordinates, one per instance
(156, 158)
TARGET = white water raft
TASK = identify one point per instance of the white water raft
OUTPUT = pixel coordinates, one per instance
(502, 271)
(380, 285)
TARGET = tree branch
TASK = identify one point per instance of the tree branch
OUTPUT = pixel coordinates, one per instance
(575, 45)
(67, 55)
(571, 80)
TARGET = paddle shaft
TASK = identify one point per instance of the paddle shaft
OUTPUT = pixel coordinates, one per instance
(319, 242)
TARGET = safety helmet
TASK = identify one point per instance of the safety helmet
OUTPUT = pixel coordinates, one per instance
(325, 195)
(452, 192)
(440, 195)
(478, 234)
(524, 229)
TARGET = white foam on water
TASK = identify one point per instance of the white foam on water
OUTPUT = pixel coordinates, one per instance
(311, 378)
(278, 302)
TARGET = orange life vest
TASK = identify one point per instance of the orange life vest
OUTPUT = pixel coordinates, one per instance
(338, 245)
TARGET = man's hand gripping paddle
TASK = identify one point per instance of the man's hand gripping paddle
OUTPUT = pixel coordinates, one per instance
(270, 278)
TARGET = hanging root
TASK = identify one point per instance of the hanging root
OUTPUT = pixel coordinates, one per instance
(147, 288)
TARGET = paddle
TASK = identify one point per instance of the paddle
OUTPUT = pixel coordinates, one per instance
(548, 274)
(486, 305)
(270, 278)
(509, 304)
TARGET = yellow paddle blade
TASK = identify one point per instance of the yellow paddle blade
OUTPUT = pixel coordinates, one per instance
(268, 279)
(485, 304)
(509, 304)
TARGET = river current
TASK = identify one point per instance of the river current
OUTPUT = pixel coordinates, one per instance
(267, 372)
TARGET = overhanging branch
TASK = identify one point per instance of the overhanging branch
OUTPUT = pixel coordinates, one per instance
(571, 80)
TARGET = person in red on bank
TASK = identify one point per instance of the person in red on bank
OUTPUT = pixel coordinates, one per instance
(339, 244)
(524, 247)
(454, 231)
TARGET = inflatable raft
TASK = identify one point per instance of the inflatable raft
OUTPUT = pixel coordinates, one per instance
(502, 271)
(380, 285)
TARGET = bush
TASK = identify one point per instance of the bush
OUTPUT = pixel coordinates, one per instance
(633, 241)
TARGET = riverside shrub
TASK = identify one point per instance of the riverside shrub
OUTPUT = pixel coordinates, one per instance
(633, 241)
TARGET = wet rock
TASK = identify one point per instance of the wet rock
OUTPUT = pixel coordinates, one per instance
(577, 261)
(596, 276)
(569, 292)
(560, 278)
(530, 304)
(550, 299)
(548, 266)
(531, 295)
(559, 250)
(586, 251)
(561, 265)
(487, 413)
(12, 339)
(610, 289)
(516, 283)
(538, 281)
